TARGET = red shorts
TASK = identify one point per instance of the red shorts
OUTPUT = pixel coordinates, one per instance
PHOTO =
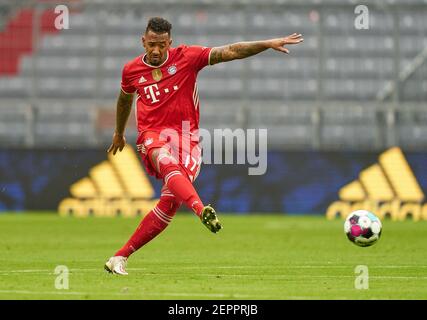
(187, 152)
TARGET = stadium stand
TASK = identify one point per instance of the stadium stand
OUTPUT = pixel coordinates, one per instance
(69, 76)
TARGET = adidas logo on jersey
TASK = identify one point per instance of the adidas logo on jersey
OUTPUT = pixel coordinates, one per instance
(387, 188)
(142, 79)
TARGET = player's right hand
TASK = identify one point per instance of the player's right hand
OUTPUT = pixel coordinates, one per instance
(119, 142)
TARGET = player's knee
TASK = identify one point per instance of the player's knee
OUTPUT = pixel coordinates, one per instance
(163, 161)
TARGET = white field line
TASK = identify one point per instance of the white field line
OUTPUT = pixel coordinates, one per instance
(26, 271)
(50, 271)
(292, 267)
(42, 292)
(218, 275)
(173, 294)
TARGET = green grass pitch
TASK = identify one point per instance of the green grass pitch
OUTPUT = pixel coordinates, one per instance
(254, 257)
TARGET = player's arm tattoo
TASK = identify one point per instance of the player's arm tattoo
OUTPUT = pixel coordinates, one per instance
(124, 106)
(241, 50)
(238, 50)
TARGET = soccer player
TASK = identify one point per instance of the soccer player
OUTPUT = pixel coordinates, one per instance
(167, 101)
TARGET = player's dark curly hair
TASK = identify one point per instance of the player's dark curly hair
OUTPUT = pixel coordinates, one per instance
(159, 25)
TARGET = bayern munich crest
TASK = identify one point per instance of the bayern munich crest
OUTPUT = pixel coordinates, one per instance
(172, 70)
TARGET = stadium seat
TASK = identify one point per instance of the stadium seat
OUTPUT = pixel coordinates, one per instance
(412, 136)
(291, 136)
(220, 88)
(345, 137)
(14, 127)
(353, 115)
(14, 87)
(220, 114)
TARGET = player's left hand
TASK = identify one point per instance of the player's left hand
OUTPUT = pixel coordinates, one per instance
(278, 44)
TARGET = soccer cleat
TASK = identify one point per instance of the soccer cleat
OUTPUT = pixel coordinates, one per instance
(210, 220)
(116, 265)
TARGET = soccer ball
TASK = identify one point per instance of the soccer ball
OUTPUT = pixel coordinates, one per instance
(363, 228)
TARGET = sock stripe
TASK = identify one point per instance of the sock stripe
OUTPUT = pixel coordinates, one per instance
(166, 192)
(162, 214)
(170, 175)
(160, 217)
(172, 172)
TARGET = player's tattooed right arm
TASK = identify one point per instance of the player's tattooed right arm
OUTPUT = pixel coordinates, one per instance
(241, 50)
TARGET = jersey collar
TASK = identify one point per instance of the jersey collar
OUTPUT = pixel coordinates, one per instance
(151, 66)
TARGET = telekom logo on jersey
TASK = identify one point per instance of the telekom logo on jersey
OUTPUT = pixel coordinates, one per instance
(152, 91)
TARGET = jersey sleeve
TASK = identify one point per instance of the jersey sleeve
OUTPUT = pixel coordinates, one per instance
(126, 84)
(198, 56)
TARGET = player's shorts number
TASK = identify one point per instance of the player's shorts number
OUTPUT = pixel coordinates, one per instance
(193, 166)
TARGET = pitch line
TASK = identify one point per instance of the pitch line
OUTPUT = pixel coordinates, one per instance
(42, 292)
(51, 271)
(174, 294)
(287, 267)
(214, 275)
(234, 267)
(25, 271)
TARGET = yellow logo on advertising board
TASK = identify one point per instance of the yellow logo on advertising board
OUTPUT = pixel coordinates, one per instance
(117, 186)
(387, 188)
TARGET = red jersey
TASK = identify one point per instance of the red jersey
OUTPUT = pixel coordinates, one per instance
(166, 95)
